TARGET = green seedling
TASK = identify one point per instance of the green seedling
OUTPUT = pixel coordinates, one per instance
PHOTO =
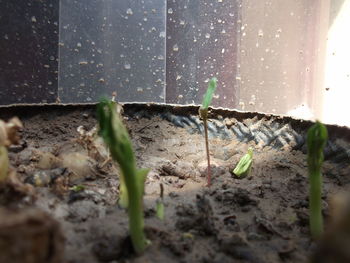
(116, 137)
(317, 137)
(160, 204)
(244, 165)
(123, 200)
(203, 113)
(187, 235)
(77, 188)
(123, 192)
(4, 163)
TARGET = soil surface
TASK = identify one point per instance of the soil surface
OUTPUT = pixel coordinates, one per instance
(259, 218)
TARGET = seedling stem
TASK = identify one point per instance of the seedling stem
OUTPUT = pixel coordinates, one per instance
(117, 139)
(316, 140)
(203, 113)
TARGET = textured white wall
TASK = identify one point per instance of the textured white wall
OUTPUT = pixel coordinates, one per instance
(283, 48)
(336, 104)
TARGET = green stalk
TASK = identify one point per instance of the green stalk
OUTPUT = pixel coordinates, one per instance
(203, 113)
(205, 121)
(316, 140)
(4, 163)
(117, 139)
(123, 193)
(160, 204)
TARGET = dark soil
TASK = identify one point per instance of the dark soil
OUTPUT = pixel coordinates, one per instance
(260, 218)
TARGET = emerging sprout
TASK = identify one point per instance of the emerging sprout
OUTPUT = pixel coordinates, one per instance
(117, 139)
(123, 192)
(160, 204)
(203, 113)
(4, 163)
(244, 165)
(77, 188)
(317, 137)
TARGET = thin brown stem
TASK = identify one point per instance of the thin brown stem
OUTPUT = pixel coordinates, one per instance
(161, 190)
(207, 149)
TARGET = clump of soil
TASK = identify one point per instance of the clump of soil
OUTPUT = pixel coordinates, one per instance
(29, 235)
(260, 218)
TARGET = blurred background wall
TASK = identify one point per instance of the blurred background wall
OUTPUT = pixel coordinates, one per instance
(284, 57)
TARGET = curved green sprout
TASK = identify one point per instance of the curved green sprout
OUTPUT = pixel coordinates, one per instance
(118, 141)
(317, 137)
(160, 211)
(210, 92)
(123, 192)
(203, 113)
(244, 165)
(4, 163)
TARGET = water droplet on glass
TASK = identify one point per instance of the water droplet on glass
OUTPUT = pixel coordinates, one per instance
(207, 35)
(242, 105)
(170, 11)
(33, 19)
(176, 47)
(127, 66)
(261, 33)
(78, 44)
(162, 34)
(129, 11)
(139, 89)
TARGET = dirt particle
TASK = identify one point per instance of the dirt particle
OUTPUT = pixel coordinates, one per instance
(200, 219)
(238, 196)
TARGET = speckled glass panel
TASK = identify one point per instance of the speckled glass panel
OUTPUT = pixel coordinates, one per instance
(28, 51)
(202, 41)
(109, 45)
